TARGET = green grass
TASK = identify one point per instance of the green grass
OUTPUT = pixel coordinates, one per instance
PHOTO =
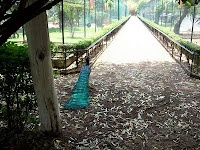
(56, 35)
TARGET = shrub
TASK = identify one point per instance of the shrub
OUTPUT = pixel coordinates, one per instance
(52, 47)
(17, 98)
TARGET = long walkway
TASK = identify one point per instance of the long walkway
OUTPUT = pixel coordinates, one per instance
(140, 98)
(134, 43)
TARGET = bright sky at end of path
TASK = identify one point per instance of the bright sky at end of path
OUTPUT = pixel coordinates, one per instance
(134, 44)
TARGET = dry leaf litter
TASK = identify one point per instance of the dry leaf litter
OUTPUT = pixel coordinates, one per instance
(150, 105)
(140, 99)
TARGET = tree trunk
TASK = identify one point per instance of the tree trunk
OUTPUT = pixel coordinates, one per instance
(72, 31)
(42, 73)
(178, 24)
(157, 16)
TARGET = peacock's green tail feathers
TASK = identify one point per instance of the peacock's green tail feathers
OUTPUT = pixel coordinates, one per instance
(80, 97)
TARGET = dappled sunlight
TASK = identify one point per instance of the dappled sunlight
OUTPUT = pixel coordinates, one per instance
(134, 44)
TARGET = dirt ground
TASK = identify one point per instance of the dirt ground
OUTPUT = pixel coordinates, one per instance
(140, 99)
(135, 106)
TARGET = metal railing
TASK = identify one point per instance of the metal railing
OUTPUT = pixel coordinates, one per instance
(183, 19)
(70, 61)
(188, 59)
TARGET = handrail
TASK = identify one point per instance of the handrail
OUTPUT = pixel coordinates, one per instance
(76, 56)
(192, 63)
(176, 42)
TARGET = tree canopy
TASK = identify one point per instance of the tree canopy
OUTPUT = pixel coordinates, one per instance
(189, 3)
(12, 14)
(141, 3)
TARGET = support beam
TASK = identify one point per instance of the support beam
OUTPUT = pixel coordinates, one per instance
(118, 11)
(95, 15)
(63, 35)
(193, 22)
(84, 18)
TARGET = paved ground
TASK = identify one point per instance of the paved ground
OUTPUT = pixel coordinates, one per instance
(134, 44)
(140, 99)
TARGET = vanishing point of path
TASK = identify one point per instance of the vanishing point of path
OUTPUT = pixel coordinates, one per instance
(140, 98)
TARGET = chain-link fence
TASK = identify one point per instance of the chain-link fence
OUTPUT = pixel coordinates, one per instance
(72, 20)
(180, 19)
(83, 18)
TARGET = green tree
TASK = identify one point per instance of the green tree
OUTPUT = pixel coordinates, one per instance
(183, 15)
(12, 17)
(159, 9)
(39, 52)
(141, 4)
(72, 15)
(187, 4)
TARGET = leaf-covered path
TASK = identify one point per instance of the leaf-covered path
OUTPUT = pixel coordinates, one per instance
(140, 99)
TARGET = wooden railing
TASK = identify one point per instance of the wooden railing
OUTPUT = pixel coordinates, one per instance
(188, 59)
(70, 61)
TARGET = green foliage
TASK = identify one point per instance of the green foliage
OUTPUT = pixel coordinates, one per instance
(110, 2)
(52, 47)
(190, 3)
(141, 3)
(10, 53)
(72, 15)
(17, 98)
(71, 11)
(190, 45)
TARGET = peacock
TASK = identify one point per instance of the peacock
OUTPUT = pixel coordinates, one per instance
(80, 97)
